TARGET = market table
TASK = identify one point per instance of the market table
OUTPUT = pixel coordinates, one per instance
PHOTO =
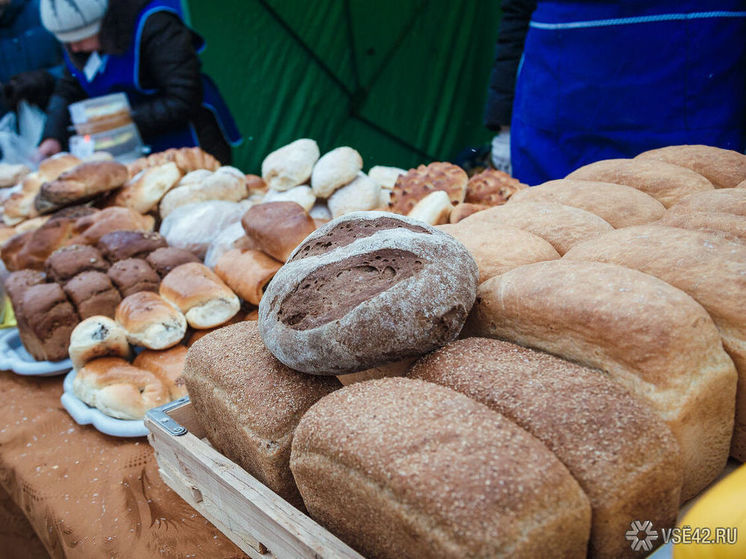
(86, 494)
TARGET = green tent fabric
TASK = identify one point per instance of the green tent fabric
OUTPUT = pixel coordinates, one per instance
(402, 81)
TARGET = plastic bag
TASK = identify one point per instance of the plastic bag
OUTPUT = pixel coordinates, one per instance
(194, 226)
(224, 242)
(501, 151)
(20, 133)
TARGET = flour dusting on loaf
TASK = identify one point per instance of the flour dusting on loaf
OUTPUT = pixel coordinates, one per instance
(366, 289)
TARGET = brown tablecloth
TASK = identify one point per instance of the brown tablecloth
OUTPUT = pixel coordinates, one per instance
(84, 493)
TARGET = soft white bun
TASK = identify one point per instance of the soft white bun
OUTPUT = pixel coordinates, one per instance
(119, 389)
(150, 321)
(385, 176)
(361, 194)
(200, 294)
(335, 169)
(433, 208)
(290, 165)
(97, 336)
(301, 195)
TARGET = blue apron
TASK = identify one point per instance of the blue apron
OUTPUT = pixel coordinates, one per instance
(605, 79)
(121, 73)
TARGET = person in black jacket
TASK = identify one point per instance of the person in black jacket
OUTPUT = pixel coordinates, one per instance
(30, 57)
(141, 48)
(577, 81)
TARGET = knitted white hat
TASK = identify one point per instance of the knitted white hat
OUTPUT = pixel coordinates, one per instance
(73, 20)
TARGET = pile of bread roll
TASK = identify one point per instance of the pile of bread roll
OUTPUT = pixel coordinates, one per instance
(82, 280)
(600, 377)
(101, 349)
(334, 185)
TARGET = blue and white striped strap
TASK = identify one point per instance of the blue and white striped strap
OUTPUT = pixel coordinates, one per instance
(635, 20)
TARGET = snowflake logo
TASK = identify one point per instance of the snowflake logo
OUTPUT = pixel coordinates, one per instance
(641, 535)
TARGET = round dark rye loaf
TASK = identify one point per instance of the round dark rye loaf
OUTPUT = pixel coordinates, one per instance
(623, 456)
(401, 468)
(365, 289)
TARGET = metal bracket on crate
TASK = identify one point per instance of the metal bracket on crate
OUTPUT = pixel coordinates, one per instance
(159, 415)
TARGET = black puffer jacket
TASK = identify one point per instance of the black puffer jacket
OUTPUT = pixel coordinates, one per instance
(516, 15)
(169, 64)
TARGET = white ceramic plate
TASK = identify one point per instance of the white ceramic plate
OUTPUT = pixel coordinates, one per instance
(83, 414)
(14, 357)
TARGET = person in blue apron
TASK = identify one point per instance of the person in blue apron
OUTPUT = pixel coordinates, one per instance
(141, 48)
(579, 81)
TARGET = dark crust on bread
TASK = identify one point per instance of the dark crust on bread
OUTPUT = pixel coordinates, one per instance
(120, 245)
(315, 301)
(66, 262)
(51, 317)
(348, 232)
(93, 294)
(134, 275)
(165, 259)
(17, 283)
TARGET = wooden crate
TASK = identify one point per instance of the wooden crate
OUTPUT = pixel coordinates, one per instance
(255, 518)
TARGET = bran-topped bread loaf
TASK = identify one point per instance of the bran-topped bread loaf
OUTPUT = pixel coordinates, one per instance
(250, 403)
(708, 267)
(647, 335)
(623, 456)
(401, 468)
(366, 289)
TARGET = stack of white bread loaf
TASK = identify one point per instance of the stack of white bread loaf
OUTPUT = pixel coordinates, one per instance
(600, 377)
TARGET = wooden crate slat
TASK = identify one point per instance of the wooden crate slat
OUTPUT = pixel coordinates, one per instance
(235, 502)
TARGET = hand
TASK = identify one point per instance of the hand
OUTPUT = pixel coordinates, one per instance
(48, 148)
(34, 86)
(501, 150)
